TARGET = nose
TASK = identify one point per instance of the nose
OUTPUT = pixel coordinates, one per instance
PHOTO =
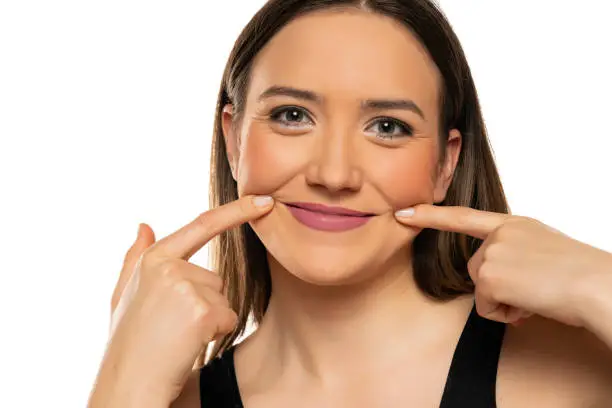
(333, 164)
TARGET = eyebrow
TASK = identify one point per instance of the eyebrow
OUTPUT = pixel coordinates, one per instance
(369, 104)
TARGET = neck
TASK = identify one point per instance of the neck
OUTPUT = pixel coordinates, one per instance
(314, 327)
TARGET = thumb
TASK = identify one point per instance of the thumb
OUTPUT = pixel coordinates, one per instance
(145, 236)
(144, 239)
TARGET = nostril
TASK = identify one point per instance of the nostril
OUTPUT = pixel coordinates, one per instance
(335, 173)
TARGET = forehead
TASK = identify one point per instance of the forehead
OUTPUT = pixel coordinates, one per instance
(351, 54)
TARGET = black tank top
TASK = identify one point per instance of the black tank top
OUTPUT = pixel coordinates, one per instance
(470, 383)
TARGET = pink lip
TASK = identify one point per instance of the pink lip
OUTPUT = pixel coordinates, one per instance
(324, 218)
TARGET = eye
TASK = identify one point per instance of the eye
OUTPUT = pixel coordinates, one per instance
(390, 128)
(291, 116)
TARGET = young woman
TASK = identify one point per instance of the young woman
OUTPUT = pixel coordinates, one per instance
(375, 254)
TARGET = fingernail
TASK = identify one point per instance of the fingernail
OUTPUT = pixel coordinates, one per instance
(262, 201)
(408, 212)
(139, 230)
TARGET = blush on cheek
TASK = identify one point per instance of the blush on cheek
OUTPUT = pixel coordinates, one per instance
(268, 161)
(405, 179)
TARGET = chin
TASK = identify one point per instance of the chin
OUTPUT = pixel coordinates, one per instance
(325, 267)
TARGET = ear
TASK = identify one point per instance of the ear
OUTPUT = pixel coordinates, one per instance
(447, 169)
(231, 138)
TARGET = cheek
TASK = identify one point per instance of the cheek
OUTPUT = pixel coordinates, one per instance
(267, 161)
(405, 177)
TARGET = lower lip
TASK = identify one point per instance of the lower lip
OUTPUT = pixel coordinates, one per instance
(327, 222)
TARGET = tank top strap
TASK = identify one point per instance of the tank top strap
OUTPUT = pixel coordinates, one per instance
(470, 383)
(218, 385)
(472, 376)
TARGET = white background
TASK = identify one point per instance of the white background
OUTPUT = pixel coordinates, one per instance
(106, 113)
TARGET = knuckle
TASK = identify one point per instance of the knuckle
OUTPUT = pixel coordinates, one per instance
(245, 206)
(166, 274)
(184, 288)
(216, 282)
(526, 220)
(464, 220)
(232, 319)
(533, 224)
(504, 232)
(202, 312)
(233, 316)
(206, 220)
(483, 305)
(486, 279)
(227, 320)
(169, 269)
(518, 222)
(492, 252)
(225, 302)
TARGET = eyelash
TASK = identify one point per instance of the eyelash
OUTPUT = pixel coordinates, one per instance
(277, 116)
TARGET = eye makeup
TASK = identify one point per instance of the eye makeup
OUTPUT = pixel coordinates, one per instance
(384, 127)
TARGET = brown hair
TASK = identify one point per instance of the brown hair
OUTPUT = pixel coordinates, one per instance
(440, 258)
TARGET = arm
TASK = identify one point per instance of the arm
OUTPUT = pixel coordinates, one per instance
(595, 294)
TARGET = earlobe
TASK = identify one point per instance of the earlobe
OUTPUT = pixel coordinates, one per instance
(230, 137)
(447, 170)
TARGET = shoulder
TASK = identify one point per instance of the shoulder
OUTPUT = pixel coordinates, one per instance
(563, 366)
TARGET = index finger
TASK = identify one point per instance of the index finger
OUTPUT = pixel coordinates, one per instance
(186, 241)
(464, 220)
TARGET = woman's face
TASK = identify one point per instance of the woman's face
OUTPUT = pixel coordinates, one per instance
(342, 110)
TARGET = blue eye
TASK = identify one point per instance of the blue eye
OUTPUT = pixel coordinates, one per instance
(390, 128)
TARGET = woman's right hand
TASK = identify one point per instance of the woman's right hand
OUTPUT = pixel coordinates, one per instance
(166, 311)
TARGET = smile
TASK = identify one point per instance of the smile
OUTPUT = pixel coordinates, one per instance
(324, 218)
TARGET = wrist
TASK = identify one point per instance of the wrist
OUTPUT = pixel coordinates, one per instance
(115, 387)
(105, 395)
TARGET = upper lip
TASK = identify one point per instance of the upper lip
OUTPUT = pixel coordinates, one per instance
(326, 209)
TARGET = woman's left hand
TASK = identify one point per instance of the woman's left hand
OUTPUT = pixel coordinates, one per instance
(525, 267)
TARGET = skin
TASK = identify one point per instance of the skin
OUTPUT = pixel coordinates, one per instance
(349, 297)
(165, 310)
(327, 287)
(562, 355)
(336, 159)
